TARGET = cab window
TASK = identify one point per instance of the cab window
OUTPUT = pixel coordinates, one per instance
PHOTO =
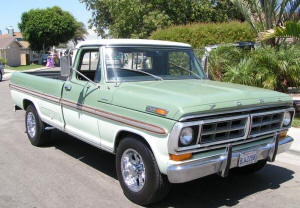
(90, 64)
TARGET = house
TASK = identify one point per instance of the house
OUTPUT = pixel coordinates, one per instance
(12, 46)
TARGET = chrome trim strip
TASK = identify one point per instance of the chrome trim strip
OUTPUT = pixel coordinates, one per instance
(188, 171)
(270, 112)
(235, 111)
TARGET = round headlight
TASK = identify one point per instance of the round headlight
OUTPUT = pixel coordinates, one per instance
(287, 118)
(186, 136)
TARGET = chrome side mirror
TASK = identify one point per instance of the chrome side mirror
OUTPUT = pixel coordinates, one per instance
(65, 66)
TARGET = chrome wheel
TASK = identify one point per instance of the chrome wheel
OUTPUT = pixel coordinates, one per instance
(133, 170)
(31, 124)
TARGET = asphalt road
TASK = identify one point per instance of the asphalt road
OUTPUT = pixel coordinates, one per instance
(70, 173)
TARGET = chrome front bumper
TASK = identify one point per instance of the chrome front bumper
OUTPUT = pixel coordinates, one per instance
(222, 163)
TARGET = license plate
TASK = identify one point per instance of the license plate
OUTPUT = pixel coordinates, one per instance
(247, 158)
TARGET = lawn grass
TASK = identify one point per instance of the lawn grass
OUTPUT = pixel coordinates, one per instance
(22, 68)
(296, 122)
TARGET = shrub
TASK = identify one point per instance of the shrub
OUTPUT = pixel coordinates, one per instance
(203, 34)
(2, 61)
(267, 67)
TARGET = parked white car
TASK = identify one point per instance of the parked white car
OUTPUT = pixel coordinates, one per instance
(1, 71)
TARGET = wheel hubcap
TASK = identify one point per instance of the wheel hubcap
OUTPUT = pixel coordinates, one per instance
(133, 170)
(31, 124)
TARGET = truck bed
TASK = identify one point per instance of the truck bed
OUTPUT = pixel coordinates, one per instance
(48, 74)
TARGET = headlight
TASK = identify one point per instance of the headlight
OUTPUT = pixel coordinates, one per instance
(287, 118)
(186, 136)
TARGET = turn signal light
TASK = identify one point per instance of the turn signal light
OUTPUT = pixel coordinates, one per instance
(161, 111)
(282, 134)
(181, 157)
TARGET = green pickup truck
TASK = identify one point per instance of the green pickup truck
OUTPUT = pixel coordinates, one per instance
(149, 103)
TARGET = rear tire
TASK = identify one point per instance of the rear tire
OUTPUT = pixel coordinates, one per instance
(249, 169)
(138, 173)
(35, 128)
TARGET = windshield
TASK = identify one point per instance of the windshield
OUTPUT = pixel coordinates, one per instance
(125, 64)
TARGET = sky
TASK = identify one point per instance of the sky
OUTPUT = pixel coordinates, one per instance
(11, 12)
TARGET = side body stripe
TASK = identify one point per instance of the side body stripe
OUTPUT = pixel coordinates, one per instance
(87, 109)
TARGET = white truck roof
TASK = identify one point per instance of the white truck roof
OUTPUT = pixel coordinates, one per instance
(108, 42)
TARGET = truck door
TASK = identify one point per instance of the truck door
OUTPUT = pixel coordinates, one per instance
(80, 97)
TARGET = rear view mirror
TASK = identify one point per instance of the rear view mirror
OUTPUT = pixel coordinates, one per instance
(65, 66)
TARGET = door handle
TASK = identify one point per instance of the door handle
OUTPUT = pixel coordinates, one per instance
(68, 87)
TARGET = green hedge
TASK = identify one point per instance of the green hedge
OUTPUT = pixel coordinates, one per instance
(202, 34)
(2, 61)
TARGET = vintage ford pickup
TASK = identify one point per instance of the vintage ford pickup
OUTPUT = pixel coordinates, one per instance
(149, 103)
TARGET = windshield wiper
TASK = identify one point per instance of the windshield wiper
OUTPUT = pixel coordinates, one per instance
(186, 70)
(147, 73)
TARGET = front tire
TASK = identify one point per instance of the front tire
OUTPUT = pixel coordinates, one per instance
(138, 173)
(35, 128)
(1, 76)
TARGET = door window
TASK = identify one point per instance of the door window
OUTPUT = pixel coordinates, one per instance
(90, 65)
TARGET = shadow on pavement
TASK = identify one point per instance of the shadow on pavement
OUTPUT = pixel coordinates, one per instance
(92, 156)
(212, 191)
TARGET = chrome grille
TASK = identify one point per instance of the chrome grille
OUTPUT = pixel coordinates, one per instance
(215, 131)
(262, 123)
(218, 131)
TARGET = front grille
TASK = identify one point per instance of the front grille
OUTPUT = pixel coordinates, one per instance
(217, 131)
(262, 123)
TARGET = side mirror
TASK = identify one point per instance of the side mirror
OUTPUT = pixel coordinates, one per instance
(65, 66)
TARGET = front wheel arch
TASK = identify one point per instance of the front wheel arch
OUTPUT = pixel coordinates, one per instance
(27, 103)
(123, 134)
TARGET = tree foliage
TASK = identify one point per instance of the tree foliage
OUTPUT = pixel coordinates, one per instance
(264, 15)
(291, 29)
(138, 18)
(44, 28)
(80, 33)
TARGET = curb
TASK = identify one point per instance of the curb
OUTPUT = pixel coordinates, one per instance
(295, 133)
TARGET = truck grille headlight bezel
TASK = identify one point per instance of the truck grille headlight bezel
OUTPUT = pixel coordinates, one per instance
(231, 127)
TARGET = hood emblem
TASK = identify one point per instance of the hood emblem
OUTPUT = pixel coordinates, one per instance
(238, 103)
(212, 106)
(261, 101)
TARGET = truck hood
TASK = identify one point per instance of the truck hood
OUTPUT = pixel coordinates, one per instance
(188, 97)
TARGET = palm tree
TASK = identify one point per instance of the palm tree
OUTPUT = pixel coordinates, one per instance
(80, 33)
(291, 30)
(264, 15)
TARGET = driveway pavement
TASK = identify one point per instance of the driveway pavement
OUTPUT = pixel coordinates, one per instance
(70, 173)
